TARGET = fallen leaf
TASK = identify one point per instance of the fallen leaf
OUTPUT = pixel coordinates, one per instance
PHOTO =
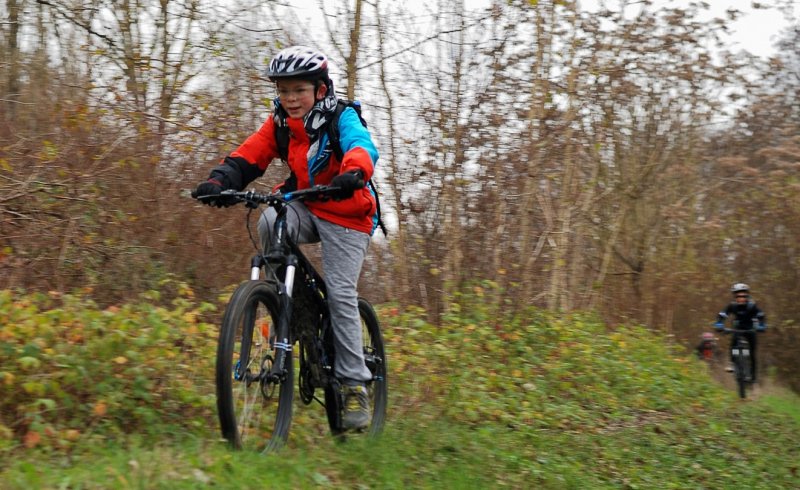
(100, 409)
(31, 439)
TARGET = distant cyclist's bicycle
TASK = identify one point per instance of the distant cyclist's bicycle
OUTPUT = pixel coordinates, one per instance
(282, 305)
(740, 355)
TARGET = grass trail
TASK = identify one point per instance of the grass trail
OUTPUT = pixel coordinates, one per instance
(123, 398)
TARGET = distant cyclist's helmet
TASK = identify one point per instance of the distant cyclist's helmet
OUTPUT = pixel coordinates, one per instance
(708, 336)
(740, 287)
(298, 62)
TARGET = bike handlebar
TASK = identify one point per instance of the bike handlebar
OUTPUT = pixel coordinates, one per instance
(254, 198)
(736, 330)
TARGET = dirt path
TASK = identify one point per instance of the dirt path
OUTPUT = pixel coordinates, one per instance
(765, 385)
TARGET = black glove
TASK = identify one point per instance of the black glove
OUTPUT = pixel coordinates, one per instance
(208, 193)
(347, 183)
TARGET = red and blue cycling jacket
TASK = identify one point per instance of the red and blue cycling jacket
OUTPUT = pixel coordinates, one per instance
(252, 158)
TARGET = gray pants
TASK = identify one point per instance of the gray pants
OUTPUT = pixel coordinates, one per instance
(343, 252)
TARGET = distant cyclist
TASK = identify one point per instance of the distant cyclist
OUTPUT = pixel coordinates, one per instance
(745, 315)
(708, 348)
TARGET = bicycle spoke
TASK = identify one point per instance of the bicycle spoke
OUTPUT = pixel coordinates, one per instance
(254, 412)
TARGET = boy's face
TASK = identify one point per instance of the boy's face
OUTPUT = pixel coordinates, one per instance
(298, 97)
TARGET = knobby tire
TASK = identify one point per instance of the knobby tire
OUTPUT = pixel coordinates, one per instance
(375, 356)
(249, 418)
(742, 368)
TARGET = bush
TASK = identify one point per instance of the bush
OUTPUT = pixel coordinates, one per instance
(541, 370)
(69, 369)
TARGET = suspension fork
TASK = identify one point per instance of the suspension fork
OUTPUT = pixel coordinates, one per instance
(283, 341)
(279, 253)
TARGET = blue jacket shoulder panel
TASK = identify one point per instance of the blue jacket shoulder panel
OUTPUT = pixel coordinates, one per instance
(353, 134)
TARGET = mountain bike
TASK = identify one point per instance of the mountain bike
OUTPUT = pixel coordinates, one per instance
(740, 355)
(282, 305)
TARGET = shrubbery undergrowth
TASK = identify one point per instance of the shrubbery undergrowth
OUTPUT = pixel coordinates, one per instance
(541, 370)
(547, 400)
(69, 369)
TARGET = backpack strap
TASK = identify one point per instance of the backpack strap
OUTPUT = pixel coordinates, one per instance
(282, 141)
(333, 127)
(374, 191)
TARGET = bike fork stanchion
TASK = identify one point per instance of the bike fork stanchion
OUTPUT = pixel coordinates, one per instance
(255, 267)
(291, 267)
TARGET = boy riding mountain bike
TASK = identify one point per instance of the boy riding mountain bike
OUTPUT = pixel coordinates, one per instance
(745, 315)
(307, 105)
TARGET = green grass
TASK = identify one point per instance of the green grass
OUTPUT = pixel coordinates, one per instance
(657, 453)
(535, 401)
(784, 404)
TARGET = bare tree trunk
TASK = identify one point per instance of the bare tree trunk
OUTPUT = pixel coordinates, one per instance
(352, 57)
(400, 288)
(499, 262)
(561, 296)
(12, 58)
(453, 228)
(610, 242)
(127, 17)
(535, 119)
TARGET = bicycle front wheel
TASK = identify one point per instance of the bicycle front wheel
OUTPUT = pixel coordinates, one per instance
(747, 369)
(255, 411)
(741, 375)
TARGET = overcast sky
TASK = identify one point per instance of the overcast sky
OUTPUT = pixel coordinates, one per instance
(756, 31)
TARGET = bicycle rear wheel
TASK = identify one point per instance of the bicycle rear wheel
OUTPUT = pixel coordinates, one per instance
(254, 412)
(377, 388)
(375, 359)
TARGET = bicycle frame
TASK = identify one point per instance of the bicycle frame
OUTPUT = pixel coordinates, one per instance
(284, 252)
(739, 345)
(740, 352)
